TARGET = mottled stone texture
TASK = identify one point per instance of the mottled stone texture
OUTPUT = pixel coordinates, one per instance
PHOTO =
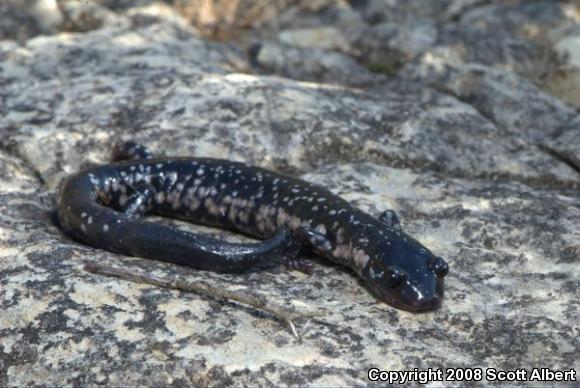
(459, 115)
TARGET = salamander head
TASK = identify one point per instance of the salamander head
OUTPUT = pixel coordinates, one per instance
(405, 274)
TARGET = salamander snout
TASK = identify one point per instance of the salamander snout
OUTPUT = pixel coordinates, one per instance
(408, 276)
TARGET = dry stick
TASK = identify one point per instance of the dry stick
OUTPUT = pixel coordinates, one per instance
(258, 302)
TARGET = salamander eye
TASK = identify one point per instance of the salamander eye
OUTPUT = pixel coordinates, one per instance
(394, 277)
(439, 267)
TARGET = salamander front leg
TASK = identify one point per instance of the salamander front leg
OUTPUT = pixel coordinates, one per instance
(140, 202)
(129, 150)
(312, 240)
(389, 218)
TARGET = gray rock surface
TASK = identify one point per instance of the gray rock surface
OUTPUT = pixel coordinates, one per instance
(312, 64)
(445, 114)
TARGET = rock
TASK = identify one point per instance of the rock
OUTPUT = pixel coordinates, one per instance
(392, 11)
(146, 14)
(86, 16)
(22, 20)
(385, 47)
(565, 145)
(529, 19)
(563, 80)
(504, 278)
(324, 37)
(320, 5)
(237, 115)
(312, 64)
(480, 162)
(512, 103)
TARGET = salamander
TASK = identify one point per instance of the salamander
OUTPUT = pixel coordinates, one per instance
(104, 206)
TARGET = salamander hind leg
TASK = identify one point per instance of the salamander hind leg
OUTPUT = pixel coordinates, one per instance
(129, 150)
(300, 265)
(140, 202)
(390, 218)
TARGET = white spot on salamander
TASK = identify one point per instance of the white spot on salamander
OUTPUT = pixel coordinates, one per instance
(94, 180)
(160, 197)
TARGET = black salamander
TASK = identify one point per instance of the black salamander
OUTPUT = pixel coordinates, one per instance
(103, 206)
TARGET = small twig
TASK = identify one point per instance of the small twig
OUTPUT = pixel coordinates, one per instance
(256, 301)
